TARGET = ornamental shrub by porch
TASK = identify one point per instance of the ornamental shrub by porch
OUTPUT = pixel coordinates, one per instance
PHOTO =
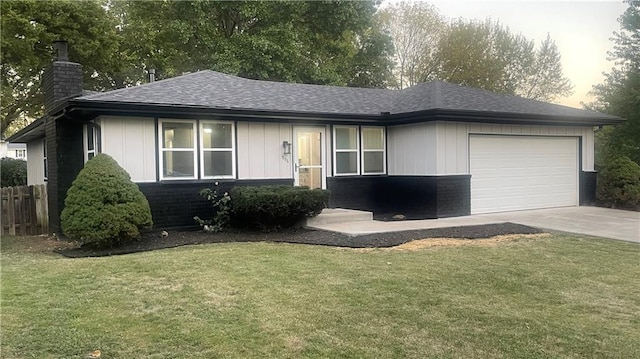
(619, 184)
(275, 207)
(103, 207)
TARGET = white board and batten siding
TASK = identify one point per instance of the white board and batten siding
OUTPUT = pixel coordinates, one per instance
(411, 149)
(260, 151)
(442, 148)
(35, 164)
(131, 141)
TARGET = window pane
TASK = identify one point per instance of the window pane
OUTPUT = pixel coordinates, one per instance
(218, 163)
(177, 164)
(346, 138)
(177, 135)
(346, 162)
(309, 149)
(373, 162)
(311, 177)
(216, 135)
(90, 142)
(373, 138)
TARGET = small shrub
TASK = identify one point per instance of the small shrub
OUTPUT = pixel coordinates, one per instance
(275, 207)
(103, 207)
(13, 172)
(619, 184)
(221, 209)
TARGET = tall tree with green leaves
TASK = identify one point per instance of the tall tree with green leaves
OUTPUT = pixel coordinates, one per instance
(117, 41)
(29, 28)
(310, 42)
(416, 29)
(487, 55)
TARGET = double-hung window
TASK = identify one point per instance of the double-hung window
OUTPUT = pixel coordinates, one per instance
(373, 151)
(359, 150)
(90, 141)
(192, 149)
(217, 149)
(347, 147)
(178, 149)
(44, 160)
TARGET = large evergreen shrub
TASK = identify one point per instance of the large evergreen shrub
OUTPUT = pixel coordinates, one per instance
(275, 207)
(619, 184)
(13, 172)
(103, 207)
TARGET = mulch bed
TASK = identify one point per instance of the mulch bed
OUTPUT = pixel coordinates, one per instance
(154, 240)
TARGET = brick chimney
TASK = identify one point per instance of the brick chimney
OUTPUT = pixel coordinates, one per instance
(63, 79)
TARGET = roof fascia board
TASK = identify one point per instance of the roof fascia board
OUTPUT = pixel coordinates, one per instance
(27, 134)
(499, 117)
(108, 108)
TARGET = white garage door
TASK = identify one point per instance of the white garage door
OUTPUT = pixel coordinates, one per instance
(522, 172)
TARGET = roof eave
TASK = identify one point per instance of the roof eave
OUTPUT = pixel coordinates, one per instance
(33, 131)
(501, 117)
(162, 110)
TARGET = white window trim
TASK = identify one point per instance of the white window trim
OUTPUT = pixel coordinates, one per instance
(162, 150)
(85, 141)
(232, 149)
(336, 151)
(45, 163)
(383, 150)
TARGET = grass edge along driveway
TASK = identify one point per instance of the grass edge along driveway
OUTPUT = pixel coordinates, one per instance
(525, 297)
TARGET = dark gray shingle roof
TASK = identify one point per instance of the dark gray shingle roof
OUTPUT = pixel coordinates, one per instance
(216, 90)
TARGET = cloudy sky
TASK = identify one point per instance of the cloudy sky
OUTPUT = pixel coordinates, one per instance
(581, 30)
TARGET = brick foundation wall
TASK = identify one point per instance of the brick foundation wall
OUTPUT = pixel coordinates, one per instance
(416, 197)
(175, 203)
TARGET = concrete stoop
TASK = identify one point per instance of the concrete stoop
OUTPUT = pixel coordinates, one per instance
(338, 215)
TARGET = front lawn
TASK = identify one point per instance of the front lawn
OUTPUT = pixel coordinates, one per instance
(534, 297)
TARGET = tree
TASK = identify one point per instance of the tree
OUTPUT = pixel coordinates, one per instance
(117, 41)
(416, 29)
(309, 42)
(487, 55)
(620, 93)
(28, 30)
(103, 207)
(13, 172)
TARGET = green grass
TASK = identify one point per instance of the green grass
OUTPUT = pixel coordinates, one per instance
(557, 296)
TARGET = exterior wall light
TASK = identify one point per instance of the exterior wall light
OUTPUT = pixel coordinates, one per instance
(286, 147)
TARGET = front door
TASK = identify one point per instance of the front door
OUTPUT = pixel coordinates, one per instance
(309, 157)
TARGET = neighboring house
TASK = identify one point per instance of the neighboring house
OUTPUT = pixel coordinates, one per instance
(428, 151)
(13, 150)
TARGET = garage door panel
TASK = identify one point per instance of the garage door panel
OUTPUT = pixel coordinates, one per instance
(522, 172)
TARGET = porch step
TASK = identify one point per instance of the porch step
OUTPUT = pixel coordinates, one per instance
(339, 215)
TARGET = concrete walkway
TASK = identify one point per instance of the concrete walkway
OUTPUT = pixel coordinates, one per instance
(592, 221)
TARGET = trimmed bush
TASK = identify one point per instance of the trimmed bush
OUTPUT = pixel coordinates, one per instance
(275, 207)
(619, 184)
(13, 172)
(103, 207)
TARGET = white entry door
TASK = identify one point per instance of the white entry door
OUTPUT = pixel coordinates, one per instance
(522, 172)
(309, 167)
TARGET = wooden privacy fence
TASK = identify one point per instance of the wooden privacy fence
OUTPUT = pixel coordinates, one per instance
(24, 210)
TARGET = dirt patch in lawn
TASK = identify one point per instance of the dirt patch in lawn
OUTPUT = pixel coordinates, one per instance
(154, 240)
(458, 242)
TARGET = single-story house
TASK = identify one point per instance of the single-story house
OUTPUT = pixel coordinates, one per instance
(429, 151)
(16, 151)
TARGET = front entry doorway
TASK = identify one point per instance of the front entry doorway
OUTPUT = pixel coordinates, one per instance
(309, 164)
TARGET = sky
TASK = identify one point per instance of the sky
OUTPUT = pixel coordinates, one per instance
(581, 30)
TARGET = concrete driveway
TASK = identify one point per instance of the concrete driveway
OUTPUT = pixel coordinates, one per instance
(592, 221)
